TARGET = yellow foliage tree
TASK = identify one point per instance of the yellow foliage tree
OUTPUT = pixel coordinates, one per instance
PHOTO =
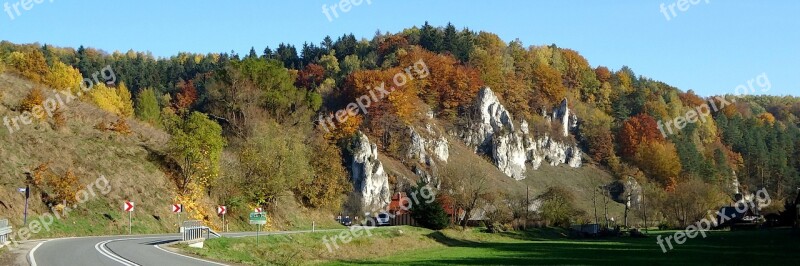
(125, 98)
(660, 161)
(117, 101)
(31, 64)
(64, 77)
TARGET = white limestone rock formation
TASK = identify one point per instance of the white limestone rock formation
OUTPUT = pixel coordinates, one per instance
(369, 178)
(493, 133)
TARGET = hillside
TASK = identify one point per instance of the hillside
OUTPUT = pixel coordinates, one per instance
(340, 126)
(130, 164)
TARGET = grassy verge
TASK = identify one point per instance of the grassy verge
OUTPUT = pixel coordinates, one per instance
(415, 246)
(309, 248)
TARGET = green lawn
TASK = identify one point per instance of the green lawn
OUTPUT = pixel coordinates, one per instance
(415, 246)
(773, 247)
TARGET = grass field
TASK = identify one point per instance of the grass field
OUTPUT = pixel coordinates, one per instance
(416, 246)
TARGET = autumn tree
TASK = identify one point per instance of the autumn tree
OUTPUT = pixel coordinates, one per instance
(126, 100)
(660, 161)
(637, 131)
(595, 133)
(579, 76)
(447, 86)
(547, 83)
(310, 77)
(186, 97)
(117, 101)
(64, 77)
(275, 161)
(330, 183)
(195, 147)
(30, 63)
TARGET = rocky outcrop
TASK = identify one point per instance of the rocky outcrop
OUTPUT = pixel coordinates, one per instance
(513, 149)
(426, 149)
(627, 192)
(369, 178)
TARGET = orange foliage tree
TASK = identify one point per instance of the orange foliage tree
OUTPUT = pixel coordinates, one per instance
(186, 96)
(547, 82)
(449, 84)
(636, 131)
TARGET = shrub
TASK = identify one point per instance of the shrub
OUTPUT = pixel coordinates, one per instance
(34, 98)
(64, 188)
(429, 215)
(59, 119)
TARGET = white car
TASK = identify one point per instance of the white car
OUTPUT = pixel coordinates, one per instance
(382, 219)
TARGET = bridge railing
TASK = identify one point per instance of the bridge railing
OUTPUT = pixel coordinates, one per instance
(193, 230)
(5, 231)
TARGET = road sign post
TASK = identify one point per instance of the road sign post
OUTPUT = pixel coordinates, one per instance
(27, 191)
(128, 207)
(178, 209)
(221, 210)
(258, 218)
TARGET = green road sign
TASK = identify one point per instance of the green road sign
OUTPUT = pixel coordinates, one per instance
(258, 218)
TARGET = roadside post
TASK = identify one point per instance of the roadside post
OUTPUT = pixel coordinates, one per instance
(221, 210)
(27, 191)
(128, 207)
(258, 218)
(178, 209)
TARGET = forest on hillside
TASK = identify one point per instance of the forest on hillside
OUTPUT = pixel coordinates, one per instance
(245, 126)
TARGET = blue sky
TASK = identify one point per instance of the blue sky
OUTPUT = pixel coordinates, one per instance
(710, 47)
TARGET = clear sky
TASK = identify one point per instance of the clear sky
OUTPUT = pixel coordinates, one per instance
(711, 47)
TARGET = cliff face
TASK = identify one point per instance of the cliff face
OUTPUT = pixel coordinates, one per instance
(515, 149)
(369, 179)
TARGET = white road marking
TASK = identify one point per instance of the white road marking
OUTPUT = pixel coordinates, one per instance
(178, 254)
(105, 251)
(101, 247)
(31, 259)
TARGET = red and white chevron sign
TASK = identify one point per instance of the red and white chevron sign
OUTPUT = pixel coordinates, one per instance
(222, 210)
(177, 208)
(258, 209)
(127, 206)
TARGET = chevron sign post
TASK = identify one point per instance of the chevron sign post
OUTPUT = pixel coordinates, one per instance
(178, 209)
(128, 207)
(222, 210)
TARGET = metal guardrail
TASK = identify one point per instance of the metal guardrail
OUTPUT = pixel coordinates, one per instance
(5, 231)
(194, 230)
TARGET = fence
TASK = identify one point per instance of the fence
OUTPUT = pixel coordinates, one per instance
(403, 219)
(5, 232)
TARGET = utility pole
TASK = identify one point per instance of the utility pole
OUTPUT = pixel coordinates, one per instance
(27, 195)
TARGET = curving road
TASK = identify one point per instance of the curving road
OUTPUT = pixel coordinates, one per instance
(120, 250)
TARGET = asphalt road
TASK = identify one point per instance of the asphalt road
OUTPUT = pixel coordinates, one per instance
(119, 250)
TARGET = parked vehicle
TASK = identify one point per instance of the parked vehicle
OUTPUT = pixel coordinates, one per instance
(346, 221)
(383, 219)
